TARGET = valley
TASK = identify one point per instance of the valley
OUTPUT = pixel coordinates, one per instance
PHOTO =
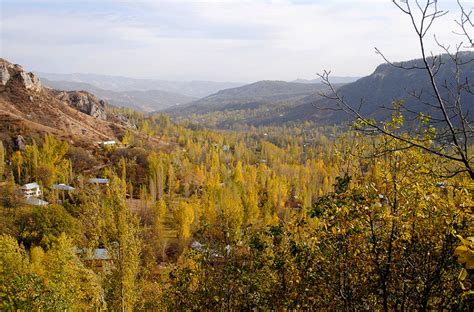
(185, 156)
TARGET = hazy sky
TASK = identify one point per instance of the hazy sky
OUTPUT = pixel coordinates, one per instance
(210, 40)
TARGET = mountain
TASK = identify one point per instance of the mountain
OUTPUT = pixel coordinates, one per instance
(249, 97)
(376, 92)
(147, 101)
(196, 89)
(26, 107)
(335, 79)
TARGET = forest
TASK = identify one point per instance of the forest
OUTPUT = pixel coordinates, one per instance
(240, 207)
(275, 218)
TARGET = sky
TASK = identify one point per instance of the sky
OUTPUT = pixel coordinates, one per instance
(226, 40)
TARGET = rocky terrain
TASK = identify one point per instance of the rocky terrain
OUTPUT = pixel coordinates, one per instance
(84, 102)
(27, 107)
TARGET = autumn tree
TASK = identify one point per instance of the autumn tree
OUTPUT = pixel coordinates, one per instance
(125, 245)
(52, 280)
(2, 160)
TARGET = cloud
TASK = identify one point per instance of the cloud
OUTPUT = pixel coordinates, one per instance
(213, 40)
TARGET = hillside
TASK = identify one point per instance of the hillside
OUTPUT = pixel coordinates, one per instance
(146, 101)
(251, 96)
(385, 85)
(196, 89)
(26, 108)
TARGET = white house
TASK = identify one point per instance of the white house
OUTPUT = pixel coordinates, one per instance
(102, 181)
(63, 187)
(31, 190)
(107, 143)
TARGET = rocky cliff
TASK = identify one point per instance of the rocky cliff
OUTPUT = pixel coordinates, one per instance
(14, 76)
(84, 102)
(26, 107)
(9, 72)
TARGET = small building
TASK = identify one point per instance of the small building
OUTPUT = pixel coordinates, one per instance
(107, 143)
(63, 187)
(33, 201)
(31, 190)
(100, 258)
(100, 181)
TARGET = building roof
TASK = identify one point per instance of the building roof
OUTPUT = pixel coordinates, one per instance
(63, 187)
(107, 142)
(36, 201)
(99, 180)
(30, 186)
(101, 254)
(95, 254)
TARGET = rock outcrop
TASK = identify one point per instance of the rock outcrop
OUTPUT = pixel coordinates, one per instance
(30, 81)
(10, 72)
(4, 74)
(84, 102)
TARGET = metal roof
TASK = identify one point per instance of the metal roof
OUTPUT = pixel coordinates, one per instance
(99, 180)
(30, 186)
(63, 187)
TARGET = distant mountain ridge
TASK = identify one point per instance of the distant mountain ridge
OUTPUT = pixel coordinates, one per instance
(195, 89)
(385, 85)
(334, 79)
(147, 101)
(251, 96)
(372, 94)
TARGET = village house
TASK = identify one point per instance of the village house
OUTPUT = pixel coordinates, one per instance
(63, 187)
(100, 181)
(107, 143)
(99, 258)
(31, 190)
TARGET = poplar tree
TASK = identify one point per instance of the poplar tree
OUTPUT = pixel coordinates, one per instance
(125, 246)
(2, 160)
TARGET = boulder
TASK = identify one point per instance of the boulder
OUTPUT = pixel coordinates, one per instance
(19, 143)
(30, 81)
(84, 102)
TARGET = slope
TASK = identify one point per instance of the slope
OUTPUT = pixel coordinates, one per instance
(26, 108)
(376, 92)
(252, 96)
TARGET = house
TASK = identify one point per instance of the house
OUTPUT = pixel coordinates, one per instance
(101, 181)
(31, 190)
(33, 201)
(63, 187)
(99, 258)
(107, 143)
